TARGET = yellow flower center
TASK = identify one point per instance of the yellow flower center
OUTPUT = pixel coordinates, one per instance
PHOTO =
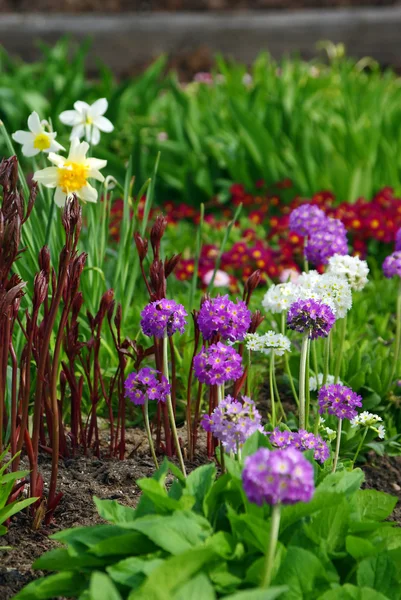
(42, 141)
(88, 121)
(72, 177)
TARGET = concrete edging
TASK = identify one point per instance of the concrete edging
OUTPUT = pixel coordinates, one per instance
(126, 40)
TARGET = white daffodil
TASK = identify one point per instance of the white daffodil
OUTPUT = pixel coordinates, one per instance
(71, 174)
(37, 139)
(87, 120)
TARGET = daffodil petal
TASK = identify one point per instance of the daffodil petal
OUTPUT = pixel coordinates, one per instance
(29, 149)
(98, 108)
(70, 117)
(95, 174)
(103, 124)
(78, 151)
(78, 131)
(54, 146)
(34, 123)
(81, 107)
(59, 197)
(22, 137)
(57, 159)
(95, 135)
(96, 163)
(87, 193)
(47, 177)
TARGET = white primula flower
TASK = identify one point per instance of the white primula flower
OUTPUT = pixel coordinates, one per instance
(276, 342)
(280, 297)
(37, 139)
(87, 120)
(381, 432)
(254, 342)
(366, 419)
(338, 290)
(352, 268)
(71, 174)
(317, 384)
(308, 280)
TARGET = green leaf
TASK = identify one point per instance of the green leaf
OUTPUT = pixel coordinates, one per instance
(253, 443)
(351, 592)
(11, 509)
(160, 499)
(328, 529)
(271, 594)
(54, 586)
(60, 559)
(198, 588)
(112, 511)
(301, 571)
(373, 505)
(347, 482)
(379, 572)
(199, 483)
(359, 548)
(132, 571)
(102, 588)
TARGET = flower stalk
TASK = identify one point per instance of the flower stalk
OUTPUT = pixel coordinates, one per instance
(271, 550)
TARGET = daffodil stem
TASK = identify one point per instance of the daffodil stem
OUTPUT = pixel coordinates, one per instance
(272, 400)
(170, 407)
(271, 550)
(148, 432)
(343, 331)
(50, 223)
(359, 446)
(338, 443)
(302, 379)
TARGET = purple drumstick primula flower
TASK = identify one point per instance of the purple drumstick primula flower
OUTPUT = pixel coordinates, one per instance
(306, 219)
(312, 315)
(302, 440)
(278, 477)
(163, 316)
(339, 400)
(217, 364)
(232, 422)
(324, 243)
(221, 316)
(145, 385)
(392, 265)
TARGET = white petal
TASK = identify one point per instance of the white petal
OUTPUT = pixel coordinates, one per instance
(78, 131)
(81, 107)
(70, 117)
(34, 123)
(95, 174)
(95, 135)
(98, 108)
(29, 149)
(57, 159)
(78, 151)
(23, 137)
(96, 163)
(47, 177)
(103, 124)
(54, 146)
(59, 197)
(87, 193)
(88, 132)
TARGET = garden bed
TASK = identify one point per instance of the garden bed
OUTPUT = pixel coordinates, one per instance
(82, 477)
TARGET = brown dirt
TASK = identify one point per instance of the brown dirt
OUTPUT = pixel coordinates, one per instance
(83, 477)
(174, 5)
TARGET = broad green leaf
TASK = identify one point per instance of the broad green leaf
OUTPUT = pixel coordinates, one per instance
(198, 588)
(54, 586)
(132, 571)
(359, 548)
(351, 592)
(102, 587)
(114, 512)
(373, 505)
(328, 529)
(347, 482)
(59, 559)
(379, 573)
(300, 570)
(198, 484)
(271, 594)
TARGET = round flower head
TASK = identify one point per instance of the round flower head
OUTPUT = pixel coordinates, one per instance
(392, 265)
(302, 440)
(278, 477)
(311, 315)
(280, 297)
(232, 422)
(352, 268)
(339, 400)
(398, 240)
(315, 384)
(221, 279)
(145, 385)
(306, 219)
(370, 420)
(217, 364)
(275, 342)
(309, 280)
(221, 316)
(163, 316)
(336, 289)
(323, 244)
